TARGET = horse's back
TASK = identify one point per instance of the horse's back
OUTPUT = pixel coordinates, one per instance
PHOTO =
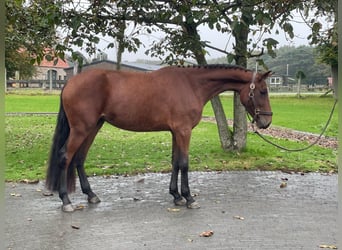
(95, 78)
(96, 85)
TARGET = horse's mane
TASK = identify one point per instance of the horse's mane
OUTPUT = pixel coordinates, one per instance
(215, 66)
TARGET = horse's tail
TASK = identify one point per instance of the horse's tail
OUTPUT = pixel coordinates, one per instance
(57, 155)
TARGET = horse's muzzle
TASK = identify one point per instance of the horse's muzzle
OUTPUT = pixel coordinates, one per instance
(263, 119)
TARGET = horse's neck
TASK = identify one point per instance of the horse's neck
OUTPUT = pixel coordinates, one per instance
(214, 81)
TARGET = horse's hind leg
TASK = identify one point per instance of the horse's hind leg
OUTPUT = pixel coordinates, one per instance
(67, 181)
(79, 160)
(63, 186)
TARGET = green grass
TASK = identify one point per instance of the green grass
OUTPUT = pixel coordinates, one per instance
(31, 103)
(115, 151)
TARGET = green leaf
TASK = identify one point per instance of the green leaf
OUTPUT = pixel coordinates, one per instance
(287, 27)
(230, 57)
(266, 20)
(48, 57)
(316, 27)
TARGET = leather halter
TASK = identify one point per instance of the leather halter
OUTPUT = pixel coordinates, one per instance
(257, 111)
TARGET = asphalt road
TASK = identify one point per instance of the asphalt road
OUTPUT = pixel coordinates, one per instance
(244, 210)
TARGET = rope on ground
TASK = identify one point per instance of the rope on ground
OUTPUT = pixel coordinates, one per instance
(300, 149)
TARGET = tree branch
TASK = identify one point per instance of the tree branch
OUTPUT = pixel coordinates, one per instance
(257, 55)
(217, 49)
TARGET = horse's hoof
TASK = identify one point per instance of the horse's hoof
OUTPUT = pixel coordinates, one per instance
(94, 200)
(193, 205)
(68, 208)
(180, 202)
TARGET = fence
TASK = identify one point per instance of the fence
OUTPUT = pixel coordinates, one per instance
(44, 84)
(293, 88)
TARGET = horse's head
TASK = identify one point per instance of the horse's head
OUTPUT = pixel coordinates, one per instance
(254, 96)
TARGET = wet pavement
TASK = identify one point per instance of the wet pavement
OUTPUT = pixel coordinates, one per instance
(244, 210)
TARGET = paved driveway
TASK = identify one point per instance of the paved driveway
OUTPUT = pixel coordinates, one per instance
(245, 210)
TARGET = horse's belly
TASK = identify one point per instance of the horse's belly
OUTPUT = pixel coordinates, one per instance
(138, 124)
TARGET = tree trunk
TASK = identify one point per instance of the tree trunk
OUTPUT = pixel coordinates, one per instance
(298, 86)
(240, 34)
(225, 133)
(121, 46)
(334, 72)
(240, 125)
(119, 56)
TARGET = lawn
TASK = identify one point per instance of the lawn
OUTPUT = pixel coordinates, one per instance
(116, 151)
(31, 103)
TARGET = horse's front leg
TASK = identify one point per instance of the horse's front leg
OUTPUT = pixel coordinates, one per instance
(178, 199)
(185, 189)
(180, 151)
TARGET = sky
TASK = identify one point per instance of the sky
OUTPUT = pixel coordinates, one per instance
(216, 39)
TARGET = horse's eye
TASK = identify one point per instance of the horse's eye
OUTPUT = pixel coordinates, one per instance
(263, 92)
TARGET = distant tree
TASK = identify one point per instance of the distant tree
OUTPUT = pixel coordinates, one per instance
(299, 75)
(29, 30)
(19, 61)
(290, 58)
(325, 38)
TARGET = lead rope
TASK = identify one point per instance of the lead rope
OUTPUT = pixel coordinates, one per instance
(299, 149)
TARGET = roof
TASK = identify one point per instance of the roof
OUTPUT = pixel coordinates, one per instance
(51, 64)
(149, 67)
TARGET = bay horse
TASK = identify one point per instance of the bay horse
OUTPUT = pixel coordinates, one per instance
(169, 99)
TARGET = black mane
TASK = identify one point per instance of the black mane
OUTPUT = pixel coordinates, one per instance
(215, 66)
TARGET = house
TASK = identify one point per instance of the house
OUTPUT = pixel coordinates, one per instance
(278, 81)
(55, 71)
(111, 65)
(47, 69)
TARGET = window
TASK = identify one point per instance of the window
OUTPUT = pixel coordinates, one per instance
(275, 80)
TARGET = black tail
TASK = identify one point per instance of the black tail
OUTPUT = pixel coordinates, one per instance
(57, 154)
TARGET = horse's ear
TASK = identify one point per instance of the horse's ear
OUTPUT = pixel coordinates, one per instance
(267, 74)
